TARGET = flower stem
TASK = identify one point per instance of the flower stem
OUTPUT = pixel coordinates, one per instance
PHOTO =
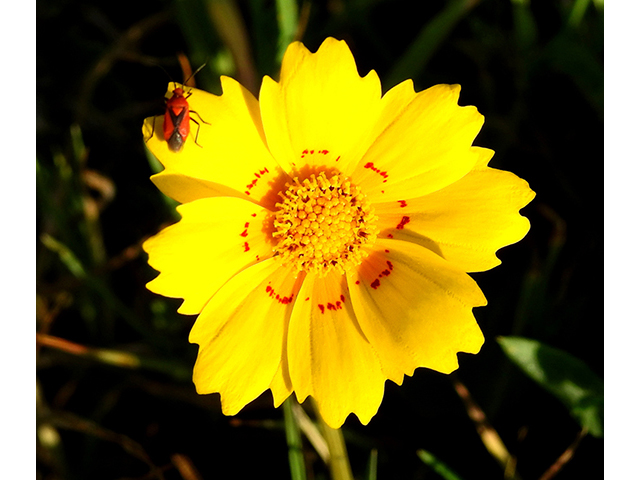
(294, 441)
(338, 459)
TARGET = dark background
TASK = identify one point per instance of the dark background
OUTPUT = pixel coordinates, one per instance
(535, 72)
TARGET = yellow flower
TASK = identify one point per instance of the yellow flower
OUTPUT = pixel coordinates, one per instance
(326, 231)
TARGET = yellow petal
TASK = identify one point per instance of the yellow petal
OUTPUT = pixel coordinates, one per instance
(242, 332)
(231, 157)
(321, 110)
(281, 386)
(425, 144)
(215, 239)
(466, 222)
(415, 307)
(329, 357)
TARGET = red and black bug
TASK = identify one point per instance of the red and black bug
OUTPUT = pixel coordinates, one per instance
(177, 116)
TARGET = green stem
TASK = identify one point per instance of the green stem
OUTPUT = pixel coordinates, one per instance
(338, 458)
(287, 23)
(226, 16)
(294, 441)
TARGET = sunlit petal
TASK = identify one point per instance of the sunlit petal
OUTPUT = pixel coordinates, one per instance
(216, 238)
(415, 307)
(258, 300)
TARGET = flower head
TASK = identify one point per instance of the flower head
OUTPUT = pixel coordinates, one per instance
(326, 233)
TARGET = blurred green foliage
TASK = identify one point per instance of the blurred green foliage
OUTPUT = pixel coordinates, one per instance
(115, 399)
(563, 375)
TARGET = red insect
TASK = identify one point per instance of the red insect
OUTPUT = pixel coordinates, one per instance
(177, 116)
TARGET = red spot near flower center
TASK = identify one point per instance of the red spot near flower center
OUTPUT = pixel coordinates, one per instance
(389, 235)
(306, 152)
(332, 306)
(245, 233)
(254, 182)
(254, 214)
(280, 299)
(246, 246)
(402, 203)
(357, 282)
(384, 273)
(403, 222)
(372, 167)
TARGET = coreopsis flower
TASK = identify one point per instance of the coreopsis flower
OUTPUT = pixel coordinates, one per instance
(326, 233)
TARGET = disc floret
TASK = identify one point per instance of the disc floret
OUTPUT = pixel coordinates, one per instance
(323, 224)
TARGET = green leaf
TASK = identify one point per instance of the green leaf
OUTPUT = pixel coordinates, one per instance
(563, 375)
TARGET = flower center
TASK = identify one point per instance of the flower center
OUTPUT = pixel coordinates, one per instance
(323, 223)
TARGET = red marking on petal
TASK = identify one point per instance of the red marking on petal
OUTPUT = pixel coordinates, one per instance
(331, 306)
(246, 247)
(386, 251)
(254, 182)
(246, 225)
(306, 299)
(402, 203)
(390, 265)
(244, 233)
(283, 300)
(372, 167)
(338, 158)
(321, 307)
(357, 282)
(389, 236)
(384, 273)
(342, 298)
(403, 222)
(254, 214)
(375, 284)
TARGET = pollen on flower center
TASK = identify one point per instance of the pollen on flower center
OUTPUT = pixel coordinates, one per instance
(323, 223)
